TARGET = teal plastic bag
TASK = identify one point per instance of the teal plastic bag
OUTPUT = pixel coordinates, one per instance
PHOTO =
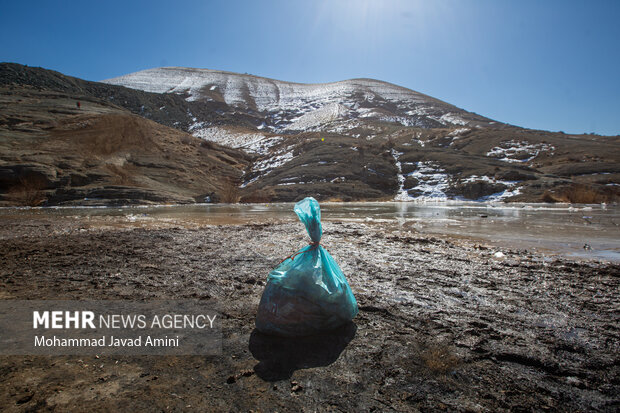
(307, 292)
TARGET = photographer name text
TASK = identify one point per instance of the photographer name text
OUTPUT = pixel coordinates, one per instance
(110, 341)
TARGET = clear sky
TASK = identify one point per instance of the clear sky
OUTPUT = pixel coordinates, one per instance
(541, 64)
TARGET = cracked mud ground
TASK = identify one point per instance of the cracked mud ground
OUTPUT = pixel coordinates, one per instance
(444, 325)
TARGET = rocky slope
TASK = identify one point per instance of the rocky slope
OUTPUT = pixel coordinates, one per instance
(367, 139)
(53, 152)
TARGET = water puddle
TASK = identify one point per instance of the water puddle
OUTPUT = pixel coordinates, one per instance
(577, 231)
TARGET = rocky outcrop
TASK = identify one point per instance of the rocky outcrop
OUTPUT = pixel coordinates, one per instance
(476, 190)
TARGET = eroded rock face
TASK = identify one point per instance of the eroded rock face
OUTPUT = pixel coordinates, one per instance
(476, 190)
(44, 176)
(115, 195)
(515, 175)
(410, 182)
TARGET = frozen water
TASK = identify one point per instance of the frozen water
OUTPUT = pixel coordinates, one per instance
(549, 228)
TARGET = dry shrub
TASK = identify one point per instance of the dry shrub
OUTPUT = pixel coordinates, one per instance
(579, 194)
(229, 193)
(440, 359)
(29, 191)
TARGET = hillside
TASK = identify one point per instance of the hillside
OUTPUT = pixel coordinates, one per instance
(53, 152)
(227, 135)
(367, 139)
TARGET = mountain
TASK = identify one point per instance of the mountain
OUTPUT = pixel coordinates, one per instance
(181, 135)
(55, 152)
(294, 106)
(368, 139)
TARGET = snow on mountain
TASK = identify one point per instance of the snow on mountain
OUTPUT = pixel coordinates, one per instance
(258, 143)
(267, 94)
(327, 113)
(518, 151)
(286, 104)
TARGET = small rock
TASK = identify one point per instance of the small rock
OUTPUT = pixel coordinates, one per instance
(296, 387)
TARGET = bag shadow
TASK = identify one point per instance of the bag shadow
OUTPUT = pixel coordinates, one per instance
(279, 357)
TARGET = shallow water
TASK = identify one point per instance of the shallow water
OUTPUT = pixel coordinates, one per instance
(548, 228)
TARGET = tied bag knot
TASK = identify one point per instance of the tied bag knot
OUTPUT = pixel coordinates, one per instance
(313, 246)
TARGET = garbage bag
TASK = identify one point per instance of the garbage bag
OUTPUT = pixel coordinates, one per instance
(307, 292)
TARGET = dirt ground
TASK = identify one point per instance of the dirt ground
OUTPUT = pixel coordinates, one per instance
(444, 325)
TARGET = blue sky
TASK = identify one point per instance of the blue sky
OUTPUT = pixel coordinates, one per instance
(548, 64)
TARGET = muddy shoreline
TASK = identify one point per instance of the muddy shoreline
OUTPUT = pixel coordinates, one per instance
(444, 324)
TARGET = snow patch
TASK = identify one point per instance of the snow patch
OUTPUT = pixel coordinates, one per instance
(453, 119)
(267, 164)
(272, 162)
(417, 139)
(518, 151)
(512, 188)
(458, 131)
(250, 142)
(319, 117)
(432, 181)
